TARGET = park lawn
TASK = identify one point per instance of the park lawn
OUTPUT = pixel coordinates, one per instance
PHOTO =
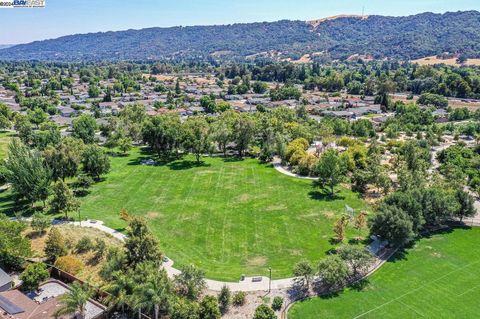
(437, 278)
(228, 217)
(5, 138)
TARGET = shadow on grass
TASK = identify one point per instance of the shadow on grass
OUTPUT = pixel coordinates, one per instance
(233, 159)
(323, 195)
(186, 164)
(331, 295)
(120, 229)
(360, 285)
(357, 241)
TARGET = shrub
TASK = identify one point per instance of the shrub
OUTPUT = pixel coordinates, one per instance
(209, 308)
(264, 312)
(306, 164)
(69, 264)
(239, 298)
(40, 222)
(33, 275)
(299, 144)
(55, 245)
(224, 299)
(100, 248)
(84, 245)
(277, 303)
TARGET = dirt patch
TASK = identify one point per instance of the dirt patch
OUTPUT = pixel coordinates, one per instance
(295, 252)
(433, 60)
(272, 208)
(257, 261)
(437, 255)
(309, 216)
(329, 215)
(244, 198)
(153, 215)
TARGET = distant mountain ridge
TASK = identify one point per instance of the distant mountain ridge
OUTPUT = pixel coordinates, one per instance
(340, 37)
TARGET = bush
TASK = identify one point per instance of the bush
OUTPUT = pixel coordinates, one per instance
(264, 312)
(40, 222)
(306, 164)
(84, 245)
(209, 308)
(55, 245)
(100, 248)
(224, 299)
(433, 99)
(239, 298)
(69, 264)
(33, 275)
(277, 303)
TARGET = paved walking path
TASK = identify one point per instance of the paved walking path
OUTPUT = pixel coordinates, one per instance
(250, 284)
(277, 164)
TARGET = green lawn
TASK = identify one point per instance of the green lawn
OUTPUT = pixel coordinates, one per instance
(228, 217)
(5, 138)
(438, 278)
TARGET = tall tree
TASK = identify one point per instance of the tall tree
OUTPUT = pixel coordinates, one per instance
(84, 128)
(64, 158)
(197, 136)
(190, 282)
(163, 134)
(155, 292)
(55, 245)
(304, 270)
(333, 271)
(26, 171)
(243, 133)
(140, 245)
(95, 162)
(63, 200)
(14, 246)
(330, 170)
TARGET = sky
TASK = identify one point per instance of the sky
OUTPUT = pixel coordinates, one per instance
(22, 25)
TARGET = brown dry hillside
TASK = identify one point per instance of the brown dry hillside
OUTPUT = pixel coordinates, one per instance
(432, 60)
(316, 23)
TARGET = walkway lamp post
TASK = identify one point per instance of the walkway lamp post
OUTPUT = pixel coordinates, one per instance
(270, 281)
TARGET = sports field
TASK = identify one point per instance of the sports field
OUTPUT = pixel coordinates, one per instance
(228, 217)
(438, 278)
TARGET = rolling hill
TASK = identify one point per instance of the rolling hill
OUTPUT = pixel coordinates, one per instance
(409, 37)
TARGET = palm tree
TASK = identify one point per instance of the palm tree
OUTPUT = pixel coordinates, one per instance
(74, 301)
(153, 291)
(120, 289)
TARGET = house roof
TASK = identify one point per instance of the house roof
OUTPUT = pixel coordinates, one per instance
(4, 278)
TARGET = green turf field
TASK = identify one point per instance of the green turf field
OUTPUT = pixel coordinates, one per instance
(228, 217)
(438, 278)
(5, 138)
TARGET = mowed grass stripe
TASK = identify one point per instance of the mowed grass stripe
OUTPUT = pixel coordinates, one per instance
(227, 217)
(438, 278)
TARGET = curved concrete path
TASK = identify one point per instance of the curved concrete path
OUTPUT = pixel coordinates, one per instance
(277, 164)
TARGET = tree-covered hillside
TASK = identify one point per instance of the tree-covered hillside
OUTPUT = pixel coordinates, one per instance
(399, 37)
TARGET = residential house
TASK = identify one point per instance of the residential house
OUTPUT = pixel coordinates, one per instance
(5, 281)
(42, 304)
